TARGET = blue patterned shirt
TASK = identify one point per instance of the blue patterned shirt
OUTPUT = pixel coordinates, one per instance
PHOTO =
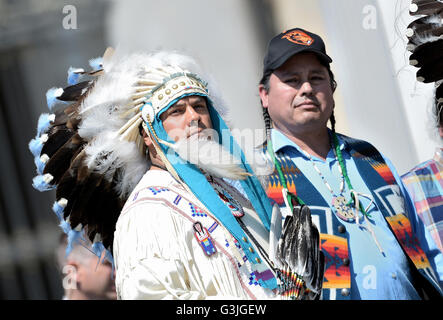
(374, 274)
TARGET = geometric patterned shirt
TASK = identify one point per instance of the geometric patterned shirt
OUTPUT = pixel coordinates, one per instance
(392, 278)
(424, 184)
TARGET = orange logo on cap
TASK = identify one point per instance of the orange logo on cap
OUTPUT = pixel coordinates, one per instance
(299, 37)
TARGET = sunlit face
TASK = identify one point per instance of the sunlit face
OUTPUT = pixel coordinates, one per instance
(186, 117)
(300, 97)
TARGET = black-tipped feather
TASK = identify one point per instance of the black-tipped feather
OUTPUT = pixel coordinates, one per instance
(57, 137)
(74, 92)
(68, 180)
(439, 92)
(60, 162)
(427, 53)
(423, 30)
(109, 213)
(95, 205)
(431, 72)
(425, 20)
(81, 195)
(92, 200)
(299, 249)
(426, 7)
(60, 118)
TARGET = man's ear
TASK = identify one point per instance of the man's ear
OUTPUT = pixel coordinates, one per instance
(263, 95)
(147, 138)
(148, 142)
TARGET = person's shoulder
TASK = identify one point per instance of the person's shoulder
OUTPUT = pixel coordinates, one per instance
(420, 168)
(354, 142)
(150, 203)
(350, 139)
(152, 183)
(155, 178)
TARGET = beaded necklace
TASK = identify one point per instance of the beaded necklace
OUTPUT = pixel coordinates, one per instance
(340, 202)
(342, 208)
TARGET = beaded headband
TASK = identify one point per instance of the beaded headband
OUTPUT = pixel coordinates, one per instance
(172, 88)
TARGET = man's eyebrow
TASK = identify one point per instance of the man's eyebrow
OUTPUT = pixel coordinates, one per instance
(192, 100)
(197, 99)
(178, 104)
(322, 71)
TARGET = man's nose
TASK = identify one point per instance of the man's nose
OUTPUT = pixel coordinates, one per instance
(192, 115)
(306, 88)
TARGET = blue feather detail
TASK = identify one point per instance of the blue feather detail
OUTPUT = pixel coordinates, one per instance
(74, 75)
(65, 226)
(44, 121)
(97, 248)
(73, 236)
(40, 184)
(58, 210)
(109, 257)
(39, 165)
(96, 63)
(52, 95)
(35, 146)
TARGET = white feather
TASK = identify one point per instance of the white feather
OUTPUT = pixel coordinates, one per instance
(107, 110)
(106, 153)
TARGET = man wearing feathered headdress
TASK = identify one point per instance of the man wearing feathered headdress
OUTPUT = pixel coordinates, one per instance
(144, 163)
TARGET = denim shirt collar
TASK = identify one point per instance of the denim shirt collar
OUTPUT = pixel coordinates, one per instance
(281, 141)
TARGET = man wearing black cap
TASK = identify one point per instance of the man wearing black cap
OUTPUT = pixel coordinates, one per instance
(355, 195)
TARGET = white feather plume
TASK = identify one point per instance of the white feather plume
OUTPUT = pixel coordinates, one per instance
(113, 104)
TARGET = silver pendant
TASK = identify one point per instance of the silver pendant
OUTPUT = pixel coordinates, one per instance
(342, 210)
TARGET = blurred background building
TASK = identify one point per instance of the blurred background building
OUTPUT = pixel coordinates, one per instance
(378, 98)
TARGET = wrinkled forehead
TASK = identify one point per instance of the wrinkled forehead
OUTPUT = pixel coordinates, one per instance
(189, 100)
(169, 91)
(174, 88)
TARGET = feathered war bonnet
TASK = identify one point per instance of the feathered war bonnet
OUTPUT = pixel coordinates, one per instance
(92, 152)
(425, 42)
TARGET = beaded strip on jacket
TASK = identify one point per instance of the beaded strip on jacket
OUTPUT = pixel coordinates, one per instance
(238, 212)
(291, 285)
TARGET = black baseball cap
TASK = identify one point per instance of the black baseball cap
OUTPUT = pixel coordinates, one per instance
(289, 43)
